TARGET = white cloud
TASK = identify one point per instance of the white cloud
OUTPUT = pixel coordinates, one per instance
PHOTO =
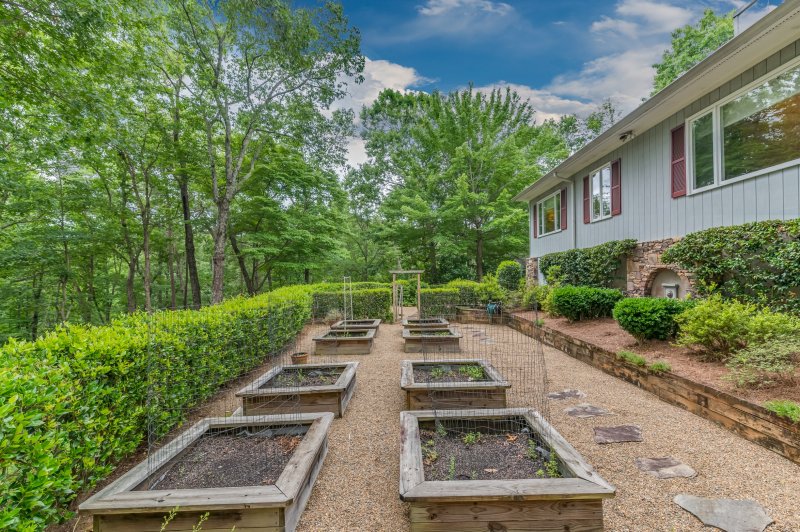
(440, 7)
(546, 103)
(661, 15)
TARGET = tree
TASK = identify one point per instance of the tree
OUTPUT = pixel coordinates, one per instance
(690, 45)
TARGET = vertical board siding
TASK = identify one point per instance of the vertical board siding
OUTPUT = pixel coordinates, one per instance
(650, 212)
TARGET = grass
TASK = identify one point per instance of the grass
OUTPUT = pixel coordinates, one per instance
(659, 366)
(783, 408)
(632, 358)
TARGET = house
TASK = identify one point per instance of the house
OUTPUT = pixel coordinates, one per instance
(719, 146)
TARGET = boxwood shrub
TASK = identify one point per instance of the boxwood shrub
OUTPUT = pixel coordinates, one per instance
(467, 291)
(584, 302)
(439, 302)
(509, 274)
(650, 318)
(373, 303)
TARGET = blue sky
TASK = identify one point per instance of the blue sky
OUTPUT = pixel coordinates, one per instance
(565, 56)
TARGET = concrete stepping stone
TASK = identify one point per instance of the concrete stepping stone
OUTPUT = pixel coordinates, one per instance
(566, 394)
(619, 434)
(585, 410)
(667, 467)
(730, 515)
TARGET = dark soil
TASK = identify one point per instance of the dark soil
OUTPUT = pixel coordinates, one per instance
(345, 334)
(447, 373)
(607, 333)
(229, 461)
(355, 323)
(429, 320)
(492, 457)
(297, 377)
(428, 332)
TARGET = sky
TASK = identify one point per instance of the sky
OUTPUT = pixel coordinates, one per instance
(565, 56)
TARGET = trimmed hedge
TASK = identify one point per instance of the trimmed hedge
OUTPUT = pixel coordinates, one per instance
(584, 302)
(439, 302)
(467, 291)
(755, 263)
(373, 303)
(509, 274)
(650, 318)
(75, 401)
(593, 266)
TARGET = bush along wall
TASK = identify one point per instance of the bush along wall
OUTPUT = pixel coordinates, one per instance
(595, 266)
(75, 401)
(439, 302)
(650, 318)
(583, 302)
(467, 291)
(754, 263)
(375, 303)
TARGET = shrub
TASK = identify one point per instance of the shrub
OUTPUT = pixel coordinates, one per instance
(593, 266)
(439, 302)
(659, 366)
(467, 291)
(489, 290)
(373, 303)
(534, 297)
(720, 327)
(509, 274)
(582, 302)
(787, 409)
(632, 358)
(762, 364)
(649, 318)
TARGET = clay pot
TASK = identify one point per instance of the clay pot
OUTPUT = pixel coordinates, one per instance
(299, 358)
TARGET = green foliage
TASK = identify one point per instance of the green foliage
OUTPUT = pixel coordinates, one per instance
(451, 468)
(583, 302)
(473, 372)
(490, 291)
(439, 302)
(471, 438)
(595, 266)
(787, 409)
(632, 358)
(659, 366)
(375, 303)
(78, 399)
(552, 466)
(762, 364)
(509, 274)
(755, 263)
(650, 318)
(467, 291)
(690, 45)
(720, 327)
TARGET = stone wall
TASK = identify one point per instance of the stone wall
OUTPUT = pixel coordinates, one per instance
(532, 270)
(644, 265)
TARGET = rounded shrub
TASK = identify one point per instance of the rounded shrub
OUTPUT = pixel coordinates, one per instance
(509, 274)
(582, 302)
(649, 318)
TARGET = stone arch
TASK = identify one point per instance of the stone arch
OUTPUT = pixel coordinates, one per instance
(658, 275)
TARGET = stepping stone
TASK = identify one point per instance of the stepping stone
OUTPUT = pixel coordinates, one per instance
(730, 515)
(566, 394)
(585, 410)
(622, 433)
(666, 467)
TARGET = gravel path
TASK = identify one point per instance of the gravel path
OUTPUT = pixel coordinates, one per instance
(357, 489)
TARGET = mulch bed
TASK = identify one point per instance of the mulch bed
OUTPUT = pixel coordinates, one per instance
(345, 334)
(492, 457)
(607, 333)
(449, 373)
(428, 332)
(299, 377)
(230, 461)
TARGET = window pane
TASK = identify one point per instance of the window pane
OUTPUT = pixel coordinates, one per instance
(606, 190)
(596, 207)
(703, 151)
(762, 127)
(550, 215)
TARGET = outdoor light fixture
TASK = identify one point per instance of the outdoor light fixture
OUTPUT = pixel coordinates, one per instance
(627, 135)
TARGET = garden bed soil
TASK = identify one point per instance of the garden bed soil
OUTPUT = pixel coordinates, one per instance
(450, 373)
(455, 391)
(230, 461)
(425, 323)
(491, 457)
(607, 333)
(301, 377)
(341, 342)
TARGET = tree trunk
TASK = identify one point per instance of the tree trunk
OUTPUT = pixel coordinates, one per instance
(148, 288)
(37, 296)
(248, 280)
(307, 276)
(269, 279)
(171, 268)
(188, 240)
(220, 236)
(130, 285)
(479, 256)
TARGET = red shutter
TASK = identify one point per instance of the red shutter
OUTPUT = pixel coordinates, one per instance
(587, 207)
(616, 188)
(678, 165)
(563, 208)
(535, 224)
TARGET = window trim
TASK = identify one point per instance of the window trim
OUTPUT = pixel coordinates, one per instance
(716, 123)
(599, 169)
(539, 212)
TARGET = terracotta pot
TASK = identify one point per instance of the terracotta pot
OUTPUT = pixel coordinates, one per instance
(299, 358)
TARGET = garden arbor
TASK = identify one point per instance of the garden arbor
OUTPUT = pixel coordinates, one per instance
(397, 292)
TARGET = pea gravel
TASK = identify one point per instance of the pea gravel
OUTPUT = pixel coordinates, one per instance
(357, 488)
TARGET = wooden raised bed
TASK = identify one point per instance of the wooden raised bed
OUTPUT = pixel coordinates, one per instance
(341, 342)
(264, 396)
(574, 502)
(348, 325)
(489, 393)
(425, 323)
(441, 340)
(127, 504)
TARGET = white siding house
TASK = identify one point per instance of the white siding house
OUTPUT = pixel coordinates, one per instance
(719, 146)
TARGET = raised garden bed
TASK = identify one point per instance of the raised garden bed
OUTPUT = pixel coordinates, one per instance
(452, 384)
(494, 471)
(345, 342)
(425, 323)
(252, 473)
(347, 325)
(431, 340)
(302, 388)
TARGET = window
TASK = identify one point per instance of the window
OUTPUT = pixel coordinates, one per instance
(600, 182)
(548, 212)
(750, 133)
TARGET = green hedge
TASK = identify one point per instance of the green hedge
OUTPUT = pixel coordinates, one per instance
(593, 266)
(439, 302)
(509, 274)
(650, 318)
(755, 263)
(373, 303)
(75, 401)
(583, 302)
(467, 291)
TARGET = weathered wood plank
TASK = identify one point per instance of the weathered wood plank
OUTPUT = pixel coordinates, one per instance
(411, 470)
(251, 519)
(590, 525)
(506, 511)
